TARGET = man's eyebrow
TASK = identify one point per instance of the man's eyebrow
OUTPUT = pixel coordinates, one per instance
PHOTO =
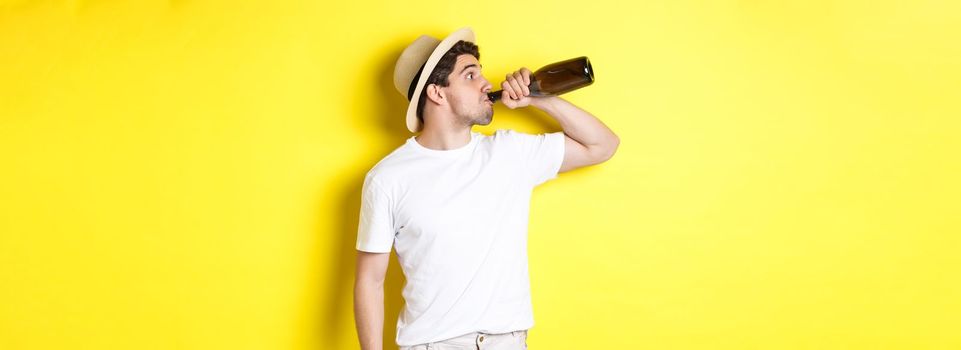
(468, 66)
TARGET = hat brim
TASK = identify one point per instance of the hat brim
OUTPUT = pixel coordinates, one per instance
(466, 34)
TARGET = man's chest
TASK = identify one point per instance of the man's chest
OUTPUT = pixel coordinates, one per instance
(452, 203)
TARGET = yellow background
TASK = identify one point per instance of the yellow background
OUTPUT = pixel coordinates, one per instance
(186, 174)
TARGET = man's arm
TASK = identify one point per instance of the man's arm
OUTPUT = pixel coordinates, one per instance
(369, 298)
(588, 141)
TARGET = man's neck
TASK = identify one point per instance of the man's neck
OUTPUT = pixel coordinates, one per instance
(444, 139)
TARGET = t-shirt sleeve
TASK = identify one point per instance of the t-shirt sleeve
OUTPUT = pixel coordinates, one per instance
(375, 230)
(541, 154)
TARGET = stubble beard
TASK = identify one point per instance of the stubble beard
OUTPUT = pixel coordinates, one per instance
(484, 116)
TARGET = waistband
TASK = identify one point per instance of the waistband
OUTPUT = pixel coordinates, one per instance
(472, 338)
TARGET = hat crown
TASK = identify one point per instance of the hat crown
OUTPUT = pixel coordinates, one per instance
(410, 61)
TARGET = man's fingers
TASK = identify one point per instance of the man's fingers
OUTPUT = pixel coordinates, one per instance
(508, 90)
(516, 85)
(527, 75)
(520, 82)
(508, 100)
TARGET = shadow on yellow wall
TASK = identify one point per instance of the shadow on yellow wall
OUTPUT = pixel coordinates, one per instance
(389, 119)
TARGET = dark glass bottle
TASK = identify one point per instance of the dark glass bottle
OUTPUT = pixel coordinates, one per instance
(558, 78)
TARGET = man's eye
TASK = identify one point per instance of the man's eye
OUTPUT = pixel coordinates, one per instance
(470, 76)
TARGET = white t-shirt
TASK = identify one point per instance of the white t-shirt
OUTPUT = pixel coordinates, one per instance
(458, 222)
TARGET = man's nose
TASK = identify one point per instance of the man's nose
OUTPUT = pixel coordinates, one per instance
(487, 85)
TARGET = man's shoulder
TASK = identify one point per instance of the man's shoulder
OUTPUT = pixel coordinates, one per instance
(514, 134)
(504, 133)
(504, 136)
(518, 138)
(391, 166)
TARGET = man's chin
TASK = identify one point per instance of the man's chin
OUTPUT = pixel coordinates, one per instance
(487, 121)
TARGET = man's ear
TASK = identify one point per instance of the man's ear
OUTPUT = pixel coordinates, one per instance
(436, 95)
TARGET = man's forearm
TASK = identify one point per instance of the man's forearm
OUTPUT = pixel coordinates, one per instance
(369, 315)
(577, 123)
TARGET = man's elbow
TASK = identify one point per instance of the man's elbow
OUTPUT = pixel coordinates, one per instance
(367, 287)
(607, 151)
(370, 281)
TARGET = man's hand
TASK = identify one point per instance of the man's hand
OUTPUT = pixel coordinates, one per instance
(516, 93)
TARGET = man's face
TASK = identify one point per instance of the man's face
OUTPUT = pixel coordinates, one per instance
(468, 92)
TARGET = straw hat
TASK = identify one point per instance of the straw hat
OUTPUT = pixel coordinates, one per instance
(416, 64)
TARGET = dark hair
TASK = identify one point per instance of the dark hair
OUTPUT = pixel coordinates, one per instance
(443, 70)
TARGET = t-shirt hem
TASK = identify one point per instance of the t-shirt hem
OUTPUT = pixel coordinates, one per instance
(373, 250)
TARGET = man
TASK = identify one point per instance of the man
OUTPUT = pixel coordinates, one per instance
(454, 203)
